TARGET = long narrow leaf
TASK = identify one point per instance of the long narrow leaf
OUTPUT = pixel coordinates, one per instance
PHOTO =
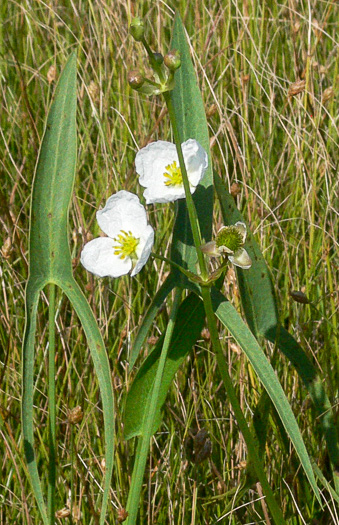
(260, 307)
(189, 323)
(230, 318)
(147, 321)
(50, 262)
(191, 119)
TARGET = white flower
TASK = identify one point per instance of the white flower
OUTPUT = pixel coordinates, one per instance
(229, 241)
(159, 171)
(129, 242)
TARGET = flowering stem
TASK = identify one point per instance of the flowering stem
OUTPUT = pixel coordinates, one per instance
(51, 401)
(212, 326)
(153, 62)
(148, 422)
(192, 212)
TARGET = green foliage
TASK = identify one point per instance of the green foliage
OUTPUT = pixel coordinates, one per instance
(191, 121)
(187, 328)
(260, 308)
(281, 152)
(50, 262)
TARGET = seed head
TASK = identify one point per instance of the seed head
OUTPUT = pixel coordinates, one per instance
(296, 88)
(135, 79)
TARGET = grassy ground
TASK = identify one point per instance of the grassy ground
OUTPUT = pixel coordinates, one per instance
(282, 153)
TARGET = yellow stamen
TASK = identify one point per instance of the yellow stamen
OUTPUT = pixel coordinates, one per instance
(173, 174)
(128, 245)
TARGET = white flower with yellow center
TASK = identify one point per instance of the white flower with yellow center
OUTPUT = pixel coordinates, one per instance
(129, 242)
(159, 171)
(229, 242)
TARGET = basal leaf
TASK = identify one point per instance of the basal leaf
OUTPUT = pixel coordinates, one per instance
(50, 262)
(260, 307)
(147, 321)
(230, 318)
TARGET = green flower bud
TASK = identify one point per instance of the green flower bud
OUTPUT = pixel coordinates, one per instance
(158, 58)
(172, 60)
(135, 79)
(137, 29)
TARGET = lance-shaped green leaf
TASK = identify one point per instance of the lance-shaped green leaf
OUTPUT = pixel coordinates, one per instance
(260, 307)
(230, 318)
(188, 325)
(50, 262)
(191, 120)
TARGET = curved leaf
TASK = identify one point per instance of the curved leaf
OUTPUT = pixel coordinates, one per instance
(50, 262)
(230, 318)
(260, 307)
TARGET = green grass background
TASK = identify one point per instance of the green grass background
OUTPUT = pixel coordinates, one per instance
(281, 151)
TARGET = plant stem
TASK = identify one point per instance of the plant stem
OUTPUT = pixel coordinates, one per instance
(212, 326)
(147, 427)
(192, 212)
(51, 404)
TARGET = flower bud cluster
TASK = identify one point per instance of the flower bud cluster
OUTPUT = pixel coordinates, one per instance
(163, 67)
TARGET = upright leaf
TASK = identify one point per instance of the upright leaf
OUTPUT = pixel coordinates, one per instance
(50, 262)
(147, 321)
(260, 307)
(190, 116)
(189, 323)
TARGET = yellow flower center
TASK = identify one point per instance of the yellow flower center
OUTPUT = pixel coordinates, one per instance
(127, 245)
(173, 175)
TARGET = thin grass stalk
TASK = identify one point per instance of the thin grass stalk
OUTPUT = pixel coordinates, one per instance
(72, 476)
(51, 405)
(147, 429)
(212, 326)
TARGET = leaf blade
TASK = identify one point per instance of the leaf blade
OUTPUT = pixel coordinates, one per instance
(191, 122)
(147, 321)
(260, 307)
(50, 262)
(230, 318)
(187, 328)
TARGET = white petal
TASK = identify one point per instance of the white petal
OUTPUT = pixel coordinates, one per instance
(196, 161)
(241, 259)
(144, 249)
(241, 227)
(210, 249)
(123, 211)
(151, 163)
(98, 257)
(154, 194)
